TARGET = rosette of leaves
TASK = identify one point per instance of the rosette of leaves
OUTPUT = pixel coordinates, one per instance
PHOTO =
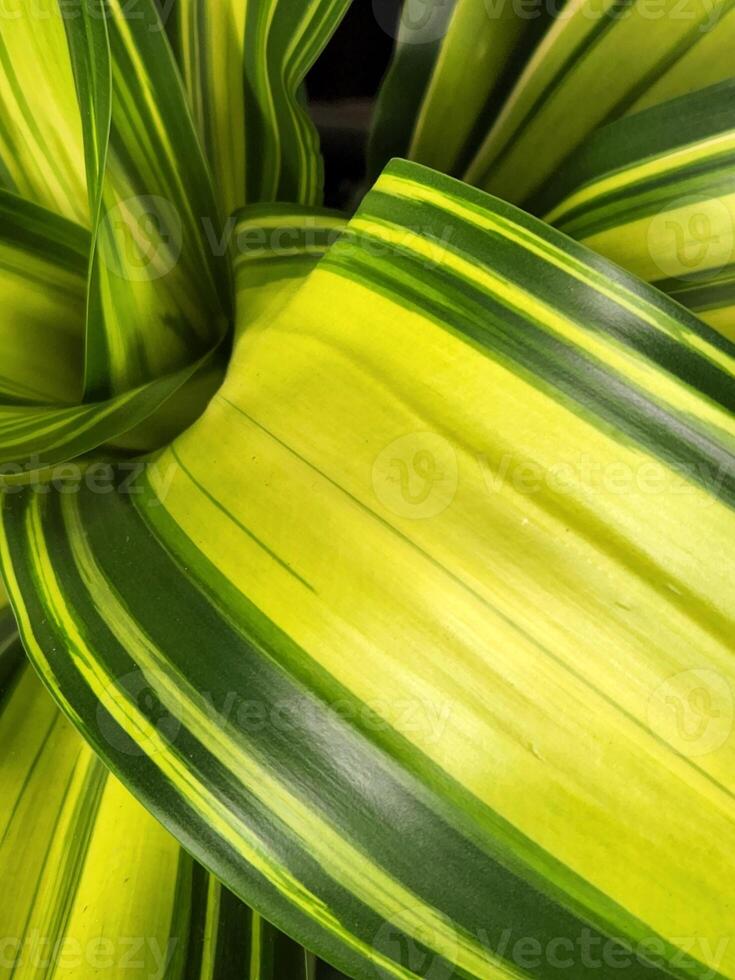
(381, 564)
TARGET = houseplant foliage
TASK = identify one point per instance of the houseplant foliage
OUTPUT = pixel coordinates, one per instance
(385, 559)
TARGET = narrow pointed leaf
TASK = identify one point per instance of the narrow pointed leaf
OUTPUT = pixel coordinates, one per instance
(420, 35)
(595, 64)
(41, 146)
(243, 64)
(485, 40)
(159, 289)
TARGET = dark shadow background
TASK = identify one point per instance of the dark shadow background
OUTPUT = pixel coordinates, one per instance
(342, 87)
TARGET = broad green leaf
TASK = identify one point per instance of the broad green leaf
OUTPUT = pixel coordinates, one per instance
(658, 197)
(93, 885)
(597, 62)
(243, 63)
(41, 147)
(444, 570)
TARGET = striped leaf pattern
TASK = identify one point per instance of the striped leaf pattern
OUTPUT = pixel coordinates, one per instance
(243, 63)
(484, 47)
(11, 652)
(158, 293)
(43, 275)
(136, 299)
(414, 630)
(419, 42)
(478, 88)
(569, 87)
(659, 198)
(41, 145)
(82, 898)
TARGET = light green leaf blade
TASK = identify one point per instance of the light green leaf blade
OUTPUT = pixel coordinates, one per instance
(41, 146)
(658, 197)
(486, 39)
(43, 259)
(243, 64)
(595, 64)
(449, 572)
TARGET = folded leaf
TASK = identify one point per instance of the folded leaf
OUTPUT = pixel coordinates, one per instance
(243, 64)
(453, 577)
(659, 198)
(43, 273)
(159, 292)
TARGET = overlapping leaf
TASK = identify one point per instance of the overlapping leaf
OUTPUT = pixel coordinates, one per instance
(93, 885)
(658, 197)
(41, 145)
(243, 63)
(435, 583)
(504, 92)
(129, 313)
(43, 271)
(597, 63)
(159, 293)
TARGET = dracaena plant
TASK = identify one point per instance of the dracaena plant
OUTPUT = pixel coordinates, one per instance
(380, 564)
